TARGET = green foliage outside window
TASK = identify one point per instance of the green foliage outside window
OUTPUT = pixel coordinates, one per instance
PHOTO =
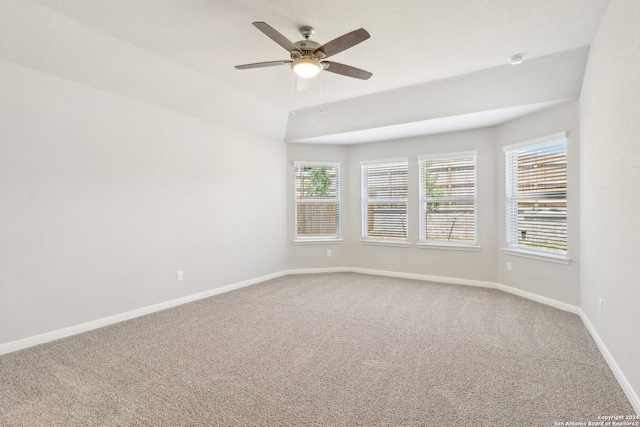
(430, 187)
(319, 182)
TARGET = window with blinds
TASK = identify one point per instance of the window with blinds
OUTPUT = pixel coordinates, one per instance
(536, 195)
(448, 199)
(317, 199)
(384, 200)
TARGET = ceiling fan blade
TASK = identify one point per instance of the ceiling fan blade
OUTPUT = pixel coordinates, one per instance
(343, 42)
(347, 70)
(262, 64)
(274, 35)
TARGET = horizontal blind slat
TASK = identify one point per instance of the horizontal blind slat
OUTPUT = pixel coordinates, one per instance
(536, 179)
(384, 204)
(317, 194)
(448, 199)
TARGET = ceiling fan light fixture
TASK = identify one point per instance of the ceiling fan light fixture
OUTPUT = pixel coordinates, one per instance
(306, 68)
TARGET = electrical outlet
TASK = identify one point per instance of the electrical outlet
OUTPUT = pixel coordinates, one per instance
(180, 276)
(600, 305)
(328, 252)
(508, 266)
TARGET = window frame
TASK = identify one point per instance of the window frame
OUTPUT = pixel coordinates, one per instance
(304, 239)
(366, 201)
(511, 240)
(423, 242)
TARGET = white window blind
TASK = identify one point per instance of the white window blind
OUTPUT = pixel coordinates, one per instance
(317, 201)
(536, 196)
(384, 201)
(448, 199)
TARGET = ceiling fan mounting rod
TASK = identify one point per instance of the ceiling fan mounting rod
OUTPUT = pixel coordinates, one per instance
(307, 32)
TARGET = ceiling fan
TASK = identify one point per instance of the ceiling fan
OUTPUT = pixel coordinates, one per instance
(308, 58)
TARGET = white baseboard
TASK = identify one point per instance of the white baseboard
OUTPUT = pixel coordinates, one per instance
(110, 320)
(399, 274)
(428, 278)
(319, 270)
(84, 327)
(622, 379)
(467, 282)
(441, 279)
(538, 298)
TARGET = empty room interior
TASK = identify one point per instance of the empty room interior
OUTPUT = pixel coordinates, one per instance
(428, 228)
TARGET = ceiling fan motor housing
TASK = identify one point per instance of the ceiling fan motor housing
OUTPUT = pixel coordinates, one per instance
(307, 46)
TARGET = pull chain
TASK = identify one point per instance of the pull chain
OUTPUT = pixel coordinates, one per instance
(293, 93)
(321, 93)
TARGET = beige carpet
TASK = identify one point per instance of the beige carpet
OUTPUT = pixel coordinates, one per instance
(321, 350)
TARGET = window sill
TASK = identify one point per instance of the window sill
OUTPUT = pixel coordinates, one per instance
(401, 244)
(450, 247)
(319, 241)
(558, 259)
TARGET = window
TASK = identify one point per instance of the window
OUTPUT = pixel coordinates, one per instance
(536, 196)
(384, 201)
(317, 197)
(448, 199)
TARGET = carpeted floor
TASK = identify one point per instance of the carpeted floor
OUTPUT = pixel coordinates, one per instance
(321, 350)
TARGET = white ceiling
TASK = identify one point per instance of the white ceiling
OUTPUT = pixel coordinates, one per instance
(412, 41)
(432, 126)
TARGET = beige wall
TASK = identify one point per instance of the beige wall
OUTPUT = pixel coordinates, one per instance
(455, 264)
(303, 256)
(103, 198)
(556, 281)
(610, 171)
(436, 262)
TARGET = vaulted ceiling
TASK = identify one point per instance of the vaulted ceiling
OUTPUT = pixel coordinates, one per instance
(430, 59)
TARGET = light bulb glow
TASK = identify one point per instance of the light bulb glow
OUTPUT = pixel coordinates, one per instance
(306, 68)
